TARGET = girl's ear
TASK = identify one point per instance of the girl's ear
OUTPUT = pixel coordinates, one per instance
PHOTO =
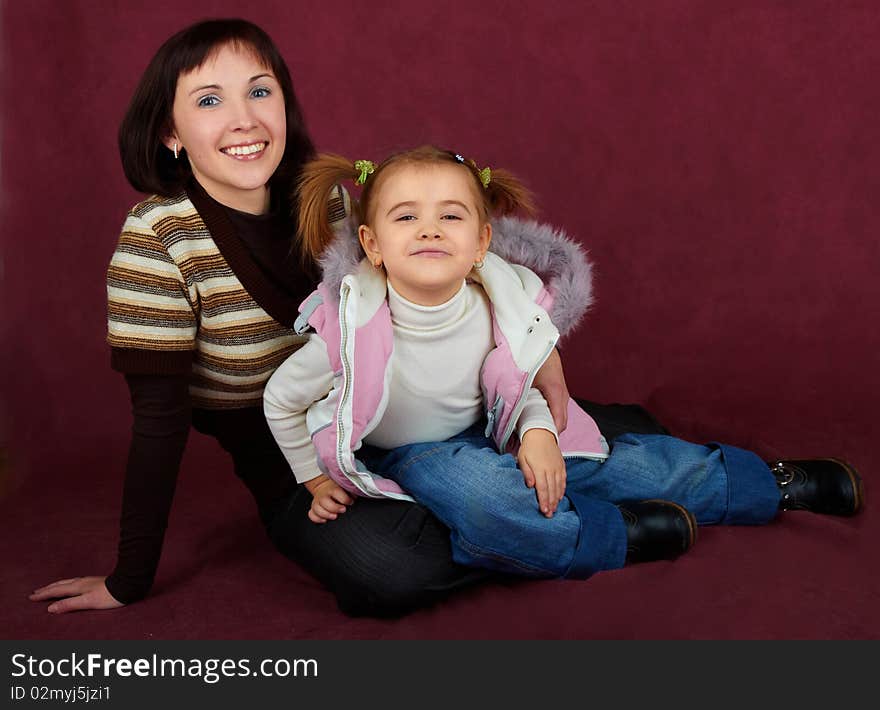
(484, 241)
(370, 245)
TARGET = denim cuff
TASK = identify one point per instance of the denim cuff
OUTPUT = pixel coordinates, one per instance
(752, 493)
(602, 539)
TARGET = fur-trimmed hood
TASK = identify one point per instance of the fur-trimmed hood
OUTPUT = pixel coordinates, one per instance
(560, 262)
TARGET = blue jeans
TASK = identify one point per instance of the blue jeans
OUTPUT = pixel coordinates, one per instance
(495, 522)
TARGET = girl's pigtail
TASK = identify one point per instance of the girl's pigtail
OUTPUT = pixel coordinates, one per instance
(506, 194)
(316, 183)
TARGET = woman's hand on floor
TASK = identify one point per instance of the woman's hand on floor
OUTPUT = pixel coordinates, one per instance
(76, 594)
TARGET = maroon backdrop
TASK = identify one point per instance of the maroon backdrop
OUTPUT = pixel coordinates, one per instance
(718, 160)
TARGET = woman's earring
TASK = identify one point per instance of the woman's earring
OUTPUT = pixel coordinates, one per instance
(175, 150)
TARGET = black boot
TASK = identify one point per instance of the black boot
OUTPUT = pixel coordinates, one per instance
(657, 530)
(829, 486)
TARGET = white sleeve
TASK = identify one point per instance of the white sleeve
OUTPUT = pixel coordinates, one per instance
(535, 415)
(304, 378)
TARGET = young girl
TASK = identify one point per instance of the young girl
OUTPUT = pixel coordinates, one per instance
(420, 366)
(203, 291)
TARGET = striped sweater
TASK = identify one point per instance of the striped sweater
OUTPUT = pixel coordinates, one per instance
(184, 295)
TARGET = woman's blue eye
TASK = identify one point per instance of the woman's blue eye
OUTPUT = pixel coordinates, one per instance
(260, 92)
(210, 100)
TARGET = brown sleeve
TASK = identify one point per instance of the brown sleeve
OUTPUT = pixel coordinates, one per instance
(162, 412)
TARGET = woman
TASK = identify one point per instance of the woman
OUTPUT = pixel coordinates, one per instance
(203, 292)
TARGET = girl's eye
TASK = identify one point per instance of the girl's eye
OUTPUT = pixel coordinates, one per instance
(405, 218)
(210, 100)
(450, 216)
(260, 92)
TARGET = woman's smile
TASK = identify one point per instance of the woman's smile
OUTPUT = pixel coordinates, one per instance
(247, 151)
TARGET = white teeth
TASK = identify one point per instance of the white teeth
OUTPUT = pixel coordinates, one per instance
(245, 149)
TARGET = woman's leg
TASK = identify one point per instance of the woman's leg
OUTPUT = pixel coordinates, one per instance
(381, 558)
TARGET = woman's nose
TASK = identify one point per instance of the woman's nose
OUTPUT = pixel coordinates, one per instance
(243, 117)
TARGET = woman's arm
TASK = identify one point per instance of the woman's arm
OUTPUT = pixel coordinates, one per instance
(550, 381)
(161, 410)
(533, 249)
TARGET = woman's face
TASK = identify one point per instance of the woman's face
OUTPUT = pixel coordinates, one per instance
(229, 115)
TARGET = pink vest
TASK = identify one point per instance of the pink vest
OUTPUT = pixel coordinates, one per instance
(359, 338)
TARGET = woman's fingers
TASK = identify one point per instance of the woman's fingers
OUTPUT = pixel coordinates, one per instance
(75, 594)
(80, 601)
(61, 588)
(96, 598)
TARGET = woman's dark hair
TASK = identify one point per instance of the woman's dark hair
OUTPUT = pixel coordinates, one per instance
(149, 166)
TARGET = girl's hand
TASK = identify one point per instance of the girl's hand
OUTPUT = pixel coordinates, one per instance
(329, 499)
(543, 468)
(76, 594)
(550, 381)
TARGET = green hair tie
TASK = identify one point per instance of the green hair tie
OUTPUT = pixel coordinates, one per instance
(485, 176)
(365, 167)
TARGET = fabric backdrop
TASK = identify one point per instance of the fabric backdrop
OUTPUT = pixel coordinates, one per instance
(718, 160)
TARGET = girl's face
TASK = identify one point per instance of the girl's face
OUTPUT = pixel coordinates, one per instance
(229, 115)
(428, 230)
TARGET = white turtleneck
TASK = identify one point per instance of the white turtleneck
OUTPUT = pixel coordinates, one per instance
(435, 368)
(434, 392)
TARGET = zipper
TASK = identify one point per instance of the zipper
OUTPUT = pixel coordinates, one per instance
(343, 454)
(491, 416)
(346, 375)
(589, 455)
